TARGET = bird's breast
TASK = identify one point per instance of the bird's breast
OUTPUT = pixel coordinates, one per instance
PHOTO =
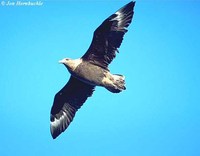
(89, 73)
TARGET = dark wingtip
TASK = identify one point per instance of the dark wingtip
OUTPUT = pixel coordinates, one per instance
(132, 3)
(54, 135)
(129, 6)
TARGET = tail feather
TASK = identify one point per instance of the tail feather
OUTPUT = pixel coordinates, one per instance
(118, 83)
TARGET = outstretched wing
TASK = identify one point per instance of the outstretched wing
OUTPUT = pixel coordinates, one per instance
(66, 102)
(108, 37)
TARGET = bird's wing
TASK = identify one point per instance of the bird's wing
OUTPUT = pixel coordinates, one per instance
(108, 37)
(66, 102)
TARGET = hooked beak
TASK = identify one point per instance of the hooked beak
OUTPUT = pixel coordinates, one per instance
(62, 61)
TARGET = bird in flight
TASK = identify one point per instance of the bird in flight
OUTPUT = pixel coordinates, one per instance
(91, 70)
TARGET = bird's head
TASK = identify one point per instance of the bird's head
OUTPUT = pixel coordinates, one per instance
(64, 61)
(70, 64)
(67, 62)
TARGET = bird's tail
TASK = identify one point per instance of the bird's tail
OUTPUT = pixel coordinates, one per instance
(118, 83)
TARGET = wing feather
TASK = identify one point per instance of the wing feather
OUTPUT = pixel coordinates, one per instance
(66, 102)
(108, 37)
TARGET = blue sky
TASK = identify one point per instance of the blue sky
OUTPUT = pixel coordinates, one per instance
(157, 115)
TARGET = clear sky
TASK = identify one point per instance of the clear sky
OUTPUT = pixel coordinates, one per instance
(158, 114)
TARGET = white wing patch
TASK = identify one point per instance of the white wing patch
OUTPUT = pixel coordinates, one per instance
(119, 17)
(57, 122)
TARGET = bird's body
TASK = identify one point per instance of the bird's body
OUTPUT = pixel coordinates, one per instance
(94, 75)
(87, 72)
(91, 70)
